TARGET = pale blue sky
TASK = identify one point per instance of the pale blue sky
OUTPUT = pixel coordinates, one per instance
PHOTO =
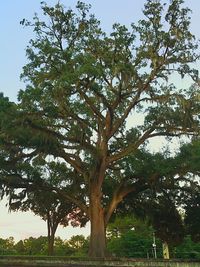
(14, 39)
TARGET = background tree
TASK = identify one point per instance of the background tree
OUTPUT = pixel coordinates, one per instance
(47, 204)
(192, 216)
(39, 246)
(129, 236)
(168, 225)
(7, 245)
(79, 244)
(187, 249)
(82, 87)
(175, 188)
(35, 246)
(53, 210)
(20, 248)
(189, 159)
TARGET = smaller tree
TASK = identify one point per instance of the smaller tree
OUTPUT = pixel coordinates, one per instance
(44, 201)
(53, 210)
(7, 246)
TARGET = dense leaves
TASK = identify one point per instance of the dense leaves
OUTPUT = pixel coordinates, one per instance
(129, 244)
(192, 216)
(39, 246)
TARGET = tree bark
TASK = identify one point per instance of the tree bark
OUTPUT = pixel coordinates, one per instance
(97, 247)
(51, 245)
(51, 227)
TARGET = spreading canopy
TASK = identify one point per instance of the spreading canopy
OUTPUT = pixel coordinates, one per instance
(82, 87)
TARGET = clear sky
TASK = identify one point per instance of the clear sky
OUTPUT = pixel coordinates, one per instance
(14, 39)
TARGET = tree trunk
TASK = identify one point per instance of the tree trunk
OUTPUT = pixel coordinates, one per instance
(51, 245)
(51, 227)
(98, 232)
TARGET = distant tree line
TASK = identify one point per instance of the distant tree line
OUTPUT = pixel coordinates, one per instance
(75, 246)
(130, 244)
(127, 237)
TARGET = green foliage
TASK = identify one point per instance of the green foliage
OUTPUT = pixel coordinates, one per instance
(167, 222)
(36, 246)
(49, 206)
(62, 248)
(129, 243)
(130, 237)
(192, 216)
(188, 249)
(121, 225)
(79, 245)
(7, 246)
(20, 248)
(189, 157)
(75, 246)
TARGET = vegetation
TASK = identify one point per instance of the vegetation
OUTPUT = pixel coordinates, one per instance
(51, 208)
(131, 243)
(76, 246)
(130, 237)
(82, 87)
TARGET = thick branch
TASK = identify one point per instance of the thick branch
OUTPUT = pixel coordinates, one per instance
(121, 192)
(132, 147)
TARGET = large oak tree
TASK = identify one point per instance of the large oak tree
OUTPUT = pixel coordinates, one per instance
(83, 85)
